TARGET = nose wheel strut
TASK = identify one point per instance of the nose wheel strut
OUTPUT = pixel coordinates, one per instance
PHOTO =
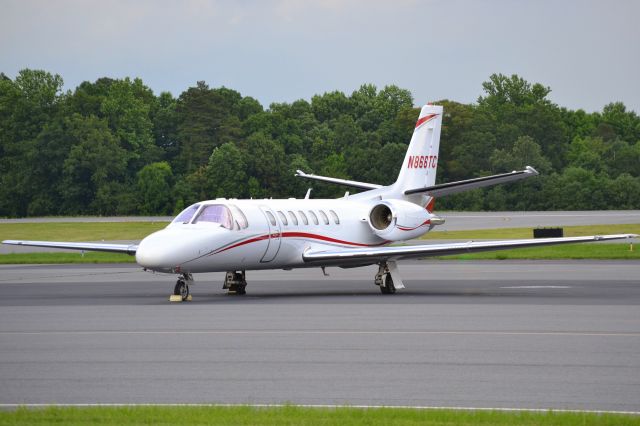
(182, 286)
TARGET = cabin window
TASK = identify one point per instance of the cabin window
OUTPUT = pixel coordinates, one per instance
(215, 213)
(271, 217)
(325, 219)
(238, 215)
(303, 217)
(335, 217)
(187, 214)
(283, 218)
(313, 217)
(293, 217)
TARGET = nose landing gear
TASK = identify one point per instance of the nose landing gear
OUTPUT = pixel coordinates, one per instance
(181, 289)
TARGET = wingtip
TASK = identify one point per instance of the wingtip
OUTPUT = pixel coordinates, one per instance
(530, 169)
(615, 236)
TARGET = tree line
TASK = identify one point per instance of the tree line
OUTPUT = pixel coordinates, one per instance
(113, 147)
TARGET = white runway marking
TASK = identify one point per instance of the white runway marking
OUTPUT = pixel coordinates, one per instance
(330, 406)
(538, 286)
(324, 332)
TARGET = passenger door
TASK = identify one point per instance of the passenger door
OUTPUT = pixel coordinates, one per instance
(274, 240)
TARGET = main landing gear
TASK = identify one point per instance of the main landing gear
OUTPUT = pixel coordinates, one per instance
(384, 278)
(182, 286)
(235, 282)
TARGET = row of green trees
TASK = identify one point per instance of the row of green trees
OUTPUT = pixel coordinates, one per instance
(114, 147)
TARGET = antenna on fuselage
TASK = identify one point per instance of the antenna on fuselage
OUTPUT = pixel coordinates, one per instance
(306, 197)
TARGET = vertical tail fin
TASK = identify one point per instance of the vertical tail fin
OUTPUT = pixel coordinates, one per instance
(421, 161)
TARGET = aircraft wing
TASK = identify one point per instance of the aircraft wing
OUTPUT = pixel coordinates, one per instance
(345, 182)
(363, 256)
(112, 248)
(481, 182)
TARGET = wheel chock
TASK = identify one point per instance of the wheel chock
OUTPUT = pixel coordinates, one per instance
(178, 298)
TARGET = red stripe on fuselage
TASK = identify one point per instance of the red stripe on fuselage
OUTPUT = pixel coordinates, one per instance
(241, 243)
(329, 239)
(298, 235)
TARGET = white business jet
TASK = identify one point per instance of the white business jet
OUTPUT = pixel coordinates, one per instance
(356, 230)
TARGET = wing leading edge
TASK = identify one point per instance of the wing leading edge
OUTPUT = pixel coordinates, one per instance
(376, 254)
(111, 248)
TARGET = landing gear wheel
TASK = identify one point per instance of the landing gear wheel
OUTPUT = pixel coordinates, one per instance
(388, 287)
(181, 289)
(235, 282)
(238, 289)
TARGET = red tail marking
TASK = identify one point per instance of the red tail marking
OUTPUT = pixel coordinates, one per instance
(430, 205)
(424, 119)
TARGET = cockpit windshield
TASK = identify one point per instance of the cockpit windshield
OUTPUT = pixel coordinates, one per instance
(186, 214)
(216, 213)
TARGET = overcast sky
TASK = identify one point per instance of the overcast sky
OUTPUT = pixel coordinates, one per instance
(588, 52)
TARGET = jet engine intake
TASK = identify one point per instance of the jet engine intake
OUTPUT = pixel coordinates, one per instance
(381, 217)
(397, 220)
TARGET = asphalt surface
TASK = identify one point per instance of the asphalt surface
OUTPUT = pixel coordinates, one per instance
(526, 334)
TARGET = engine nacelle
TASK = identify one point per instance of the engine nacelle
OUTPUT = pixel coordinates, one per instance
(396, 220)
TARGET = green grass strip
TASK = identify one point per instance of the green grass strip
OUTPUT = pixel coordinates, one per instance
(570, 251)
(55, 258)
(79, 231)
(291, 415)
(512, 233)
(109, 231)
(605, 251)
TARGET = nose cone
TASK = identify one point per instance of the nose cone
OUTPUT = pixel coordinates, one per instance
(158, 252)
(169, 249)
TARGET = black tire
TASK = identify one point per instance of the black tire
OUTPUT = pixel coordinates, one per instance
(181, 289)
(389, 287)
(237, 289)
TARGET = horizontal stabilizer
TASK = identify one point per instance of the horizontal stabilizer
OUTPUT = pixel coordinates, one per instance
(345, 182)
(466, 185)
(377, 254)
(111, 248)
